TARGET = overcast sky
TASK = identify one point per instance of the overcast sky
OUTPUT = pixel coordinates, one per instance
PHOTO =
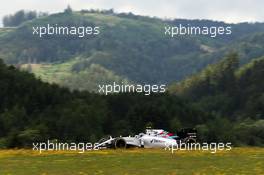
(221, 10)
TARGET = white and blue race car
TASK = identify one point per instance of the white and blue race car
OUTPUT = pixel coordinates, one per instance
(152, 138)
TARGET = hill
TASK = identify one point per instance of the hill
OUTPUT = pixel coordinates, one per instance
(223, 102)
(229, 93)
(129, 48)
(34, 111)
(226, 89)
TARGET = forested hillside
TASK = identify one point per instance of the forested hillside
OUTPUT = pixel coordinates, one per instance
(129, 48)
(219, 94)
(229, 93)
(32, 111)
(224, 103)
(224, 87)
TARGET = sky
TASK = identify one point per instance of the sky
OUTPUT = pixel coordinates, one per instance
(232, 11)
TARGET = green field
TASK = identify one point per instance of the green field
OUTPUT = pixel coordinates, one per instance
(62, 74)
(137, 161)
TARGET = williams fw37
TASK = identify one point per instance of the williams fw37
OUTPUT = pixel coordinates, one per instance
(152, 138)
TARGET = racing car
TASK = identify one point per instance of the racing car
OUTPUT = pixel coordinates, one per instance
(152, 138)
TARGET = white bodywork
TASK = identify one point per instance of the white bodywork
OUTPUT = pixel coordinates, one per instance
(150, 141)
(153, 138)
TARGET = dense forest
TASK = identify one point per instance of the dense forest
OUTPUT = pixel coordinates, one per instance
(32, 110)
(231, 94)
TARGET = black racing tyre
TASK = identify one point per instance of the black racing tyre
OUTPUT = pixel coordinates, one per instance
(120, 143)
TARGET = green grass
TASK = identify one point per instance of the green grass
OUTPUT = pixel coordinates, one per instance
(62, 74)
(4, 31)
(138, 161)
(53, 73)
